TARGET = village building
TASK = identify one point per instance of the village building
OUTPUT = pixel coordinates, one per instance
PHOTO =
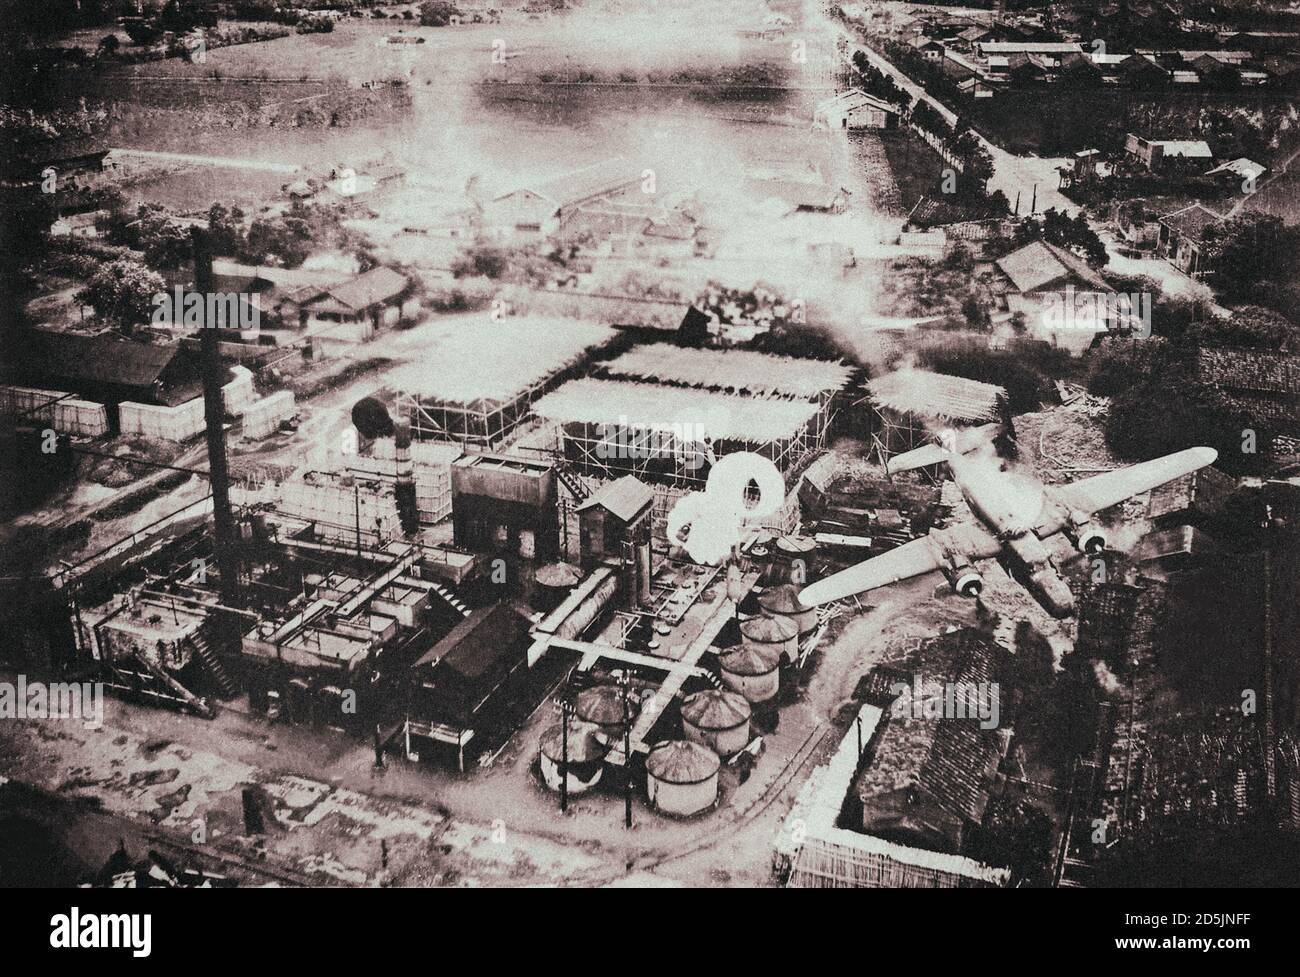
(1183, 238)
(1062, 299)
(1260, 382)
(930, 779)
(855, 109)
(548, 207)
(1170, 156)
(353, 310)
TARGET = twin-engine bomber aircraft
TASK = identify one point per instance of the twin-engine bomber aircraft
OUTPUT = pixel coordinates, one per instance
(1016, 514)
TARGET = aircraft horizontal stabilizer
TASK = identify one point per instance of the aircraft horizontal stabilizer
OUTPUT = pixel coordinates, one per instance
(922, 457)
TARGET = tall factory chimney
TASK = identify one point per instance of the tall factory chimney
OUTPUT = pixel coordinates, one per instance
(408, 511)
(214, 415)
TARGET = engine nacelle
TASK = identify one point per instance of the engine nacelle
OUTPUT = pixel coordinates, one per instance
(1087, 539)
(965, 581)
(1091, 541)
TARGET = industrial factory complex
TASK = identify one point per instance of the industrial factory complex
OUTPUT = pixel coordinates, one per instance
(769, 444)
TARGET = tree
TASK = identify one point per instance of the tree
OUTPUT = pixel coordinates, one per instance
(285, 240)
(122, 293)
(1250, 250)
(1071, 233)
(1173, 410)
(1249, 325)
(437, 13)
(165, 243)
(225, 229)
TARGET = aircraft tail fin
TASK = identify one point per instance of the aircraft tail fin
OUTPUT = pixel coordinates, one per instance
(922, 457)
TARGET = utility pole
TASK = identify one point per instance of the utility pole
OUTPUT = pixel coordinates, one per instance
(564, 755)
(624, 681)
(1270, 760)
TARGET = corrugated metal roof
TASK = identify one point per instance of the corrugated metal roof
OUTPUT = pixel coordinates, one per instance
(584, 184)
(624, 498)
(95, 359)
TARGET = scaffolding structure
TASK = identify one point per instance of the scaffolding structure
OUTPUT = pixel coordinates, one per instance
(908, 408)
(605, 429)
(485, 377)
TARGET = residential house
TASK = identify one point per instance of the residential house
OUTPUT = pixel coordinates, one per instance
(1142, 72)
(1193, 499)
(354, 310)
(1183, 237)
(928, 48)
(84, 225)
(1214, 71)
(1261, 383)
(1063, 300)
(1029, 69)
(1170, 156)
(932, 772)
(801, 196)
(1237, 173)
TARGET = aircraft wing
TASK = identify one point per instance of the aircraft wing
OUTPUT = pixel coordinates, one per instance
(1103, 491)
(912, 559)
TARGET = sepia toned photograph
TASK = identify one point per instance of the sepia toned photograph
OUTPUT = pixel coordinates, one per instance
(697, 444)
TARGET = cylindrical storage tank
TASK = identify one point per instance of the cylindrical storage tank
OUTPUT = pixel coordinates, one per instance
(718, 719)
(554, 582)
(775, 634)
(753, 671)
(682, 777)
(791, 561)
(602, 707)
(785, 600)
(586, 757)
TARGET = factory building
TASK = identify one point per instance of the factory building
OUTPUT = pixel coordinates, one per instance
(506, 505)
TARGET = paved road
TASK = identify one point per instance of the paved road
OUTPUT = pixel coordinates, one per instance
(1028, 176)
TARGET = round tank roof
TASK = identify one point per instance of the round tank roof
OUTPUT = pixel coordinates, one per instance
(769, 628)
(583, 745)
(749, 660)
(682, 762)
(558, 575)
(716, 709)
(795, 545)
(602, 705)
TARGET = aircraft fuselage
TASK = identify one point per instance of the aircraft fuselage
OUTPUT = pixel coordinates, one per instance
(1012, 506)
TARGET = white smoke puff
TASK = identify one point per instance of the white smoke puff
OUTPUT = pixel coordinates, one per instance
(1106, 678)
(707, 528)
